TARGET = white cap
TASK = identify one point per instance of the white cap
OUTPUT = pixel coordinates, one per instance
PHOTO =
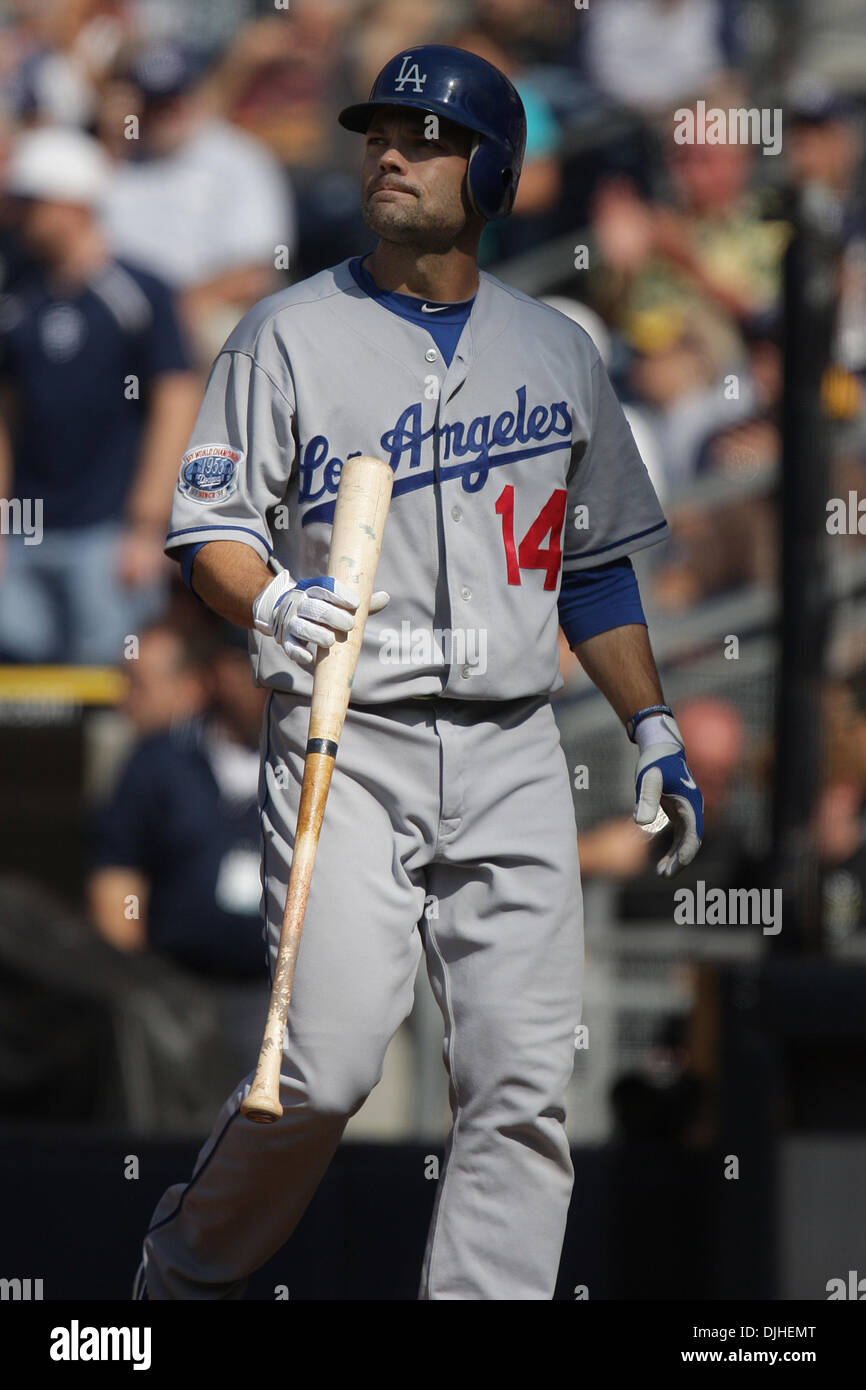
(58, 163)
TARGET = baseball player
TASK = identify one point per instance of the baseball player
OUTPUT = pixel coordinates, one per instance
(518, 497)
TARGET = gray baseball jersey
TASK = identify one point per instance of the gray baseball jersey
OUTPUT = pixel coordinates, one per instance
(450, 825)
(536, 465)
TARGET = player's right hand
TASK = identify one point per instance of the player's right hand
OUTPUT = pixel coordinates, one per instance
(307, 611)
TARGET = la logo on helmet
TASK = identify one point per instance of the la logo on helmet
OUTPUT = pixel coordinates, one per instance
(413, 75)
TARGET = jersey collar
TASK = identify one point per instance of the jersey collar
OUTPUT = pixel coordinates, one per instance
(490, 316)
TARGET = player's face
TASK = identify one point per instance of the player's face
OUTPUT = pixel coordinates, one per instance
(413, 178)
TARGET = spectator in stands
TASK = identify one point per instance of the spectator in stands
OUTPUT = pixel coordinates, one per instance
(705, 421)
(651, 53)
(824, 141)
(528, 33)
(198, 202)
(167, 680)
(53, 56)
(389, 26)
(734, 542)
(276, 80)
(824, 147)
(100, 401)
(708, 256)
(176, 850)
(281, 80)
(676, 374)
(691, 286)
(731, 542)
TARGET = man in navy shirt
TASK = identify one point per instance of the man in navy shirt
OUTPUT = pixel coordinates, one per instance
(98, 404)
(177, 848)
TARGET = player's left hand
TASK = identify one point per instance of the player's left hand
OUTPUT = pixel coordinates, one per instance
(664, 784)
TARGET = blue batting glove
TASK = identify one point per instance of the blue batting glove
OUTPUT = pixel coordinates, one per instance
(665, 786)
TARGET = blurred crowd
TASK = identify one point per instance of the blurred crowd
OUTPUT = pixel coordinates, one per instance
(164, 167)
(164, 164)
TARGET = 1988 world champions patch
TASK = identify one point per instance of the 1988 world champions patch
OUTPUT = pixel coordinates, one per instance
(209, 473)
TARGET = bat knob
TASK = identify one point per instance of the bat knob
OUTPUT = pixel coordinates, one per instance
(261, 1109)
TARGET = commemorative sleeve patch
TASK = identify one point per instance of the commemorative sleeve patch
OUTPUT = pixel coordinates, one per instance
(209, 473)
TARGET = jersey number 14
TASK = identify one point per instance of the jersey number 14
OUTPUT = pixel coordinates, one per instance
(530, 554)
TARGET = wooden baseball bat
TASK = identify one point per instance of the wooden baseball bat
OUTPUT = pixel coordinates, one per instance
(363, 498)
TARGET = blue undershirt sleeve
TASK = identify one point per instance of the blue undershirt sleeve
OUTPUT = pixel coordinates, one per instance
(185, 554)
(594, 600)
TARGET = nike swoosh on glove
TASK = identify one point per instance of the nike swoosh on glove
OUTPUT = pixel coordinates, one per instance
(663, 781)
(312, 611)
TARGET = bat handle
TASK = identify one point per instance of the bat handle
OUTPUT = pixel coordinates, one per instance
(262, 1104)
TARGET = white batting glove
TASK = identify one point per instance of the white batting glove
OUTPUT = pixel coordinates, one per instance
(312, 611)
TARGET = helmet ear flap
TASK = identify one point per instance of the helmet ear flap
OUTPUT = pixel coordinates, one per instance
(491, 178)
(476, 141)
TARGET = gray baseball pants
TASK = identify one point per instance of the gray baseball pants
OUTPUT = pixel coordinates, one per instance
(465, 807)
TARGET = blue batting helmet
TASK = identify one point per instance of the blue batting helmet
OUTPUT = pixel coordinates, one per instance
(471, 92)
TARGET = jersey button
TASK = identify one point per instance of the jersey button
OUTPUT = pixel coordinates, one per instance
(457, 513)
(431, 354)
(465, 593)
(466, 672)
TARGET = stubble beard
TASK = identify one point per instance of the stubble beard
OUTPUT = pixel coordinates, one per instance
(430, 230)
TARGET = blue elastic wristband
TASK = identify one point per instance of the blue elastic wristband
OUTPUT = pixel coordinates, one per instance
(642, 714)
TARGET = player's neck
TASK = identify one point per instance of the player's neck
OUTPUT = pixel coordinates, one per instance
(449, 276)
